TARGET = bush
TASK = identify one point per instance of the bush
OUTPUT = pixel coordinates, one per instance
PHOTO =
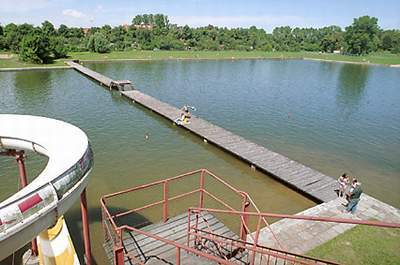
(58, 47)
(35, 48)
(98, 43)
(3, 43)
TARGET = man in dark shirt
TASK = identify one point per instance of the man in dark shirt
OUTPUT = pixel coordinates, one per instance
(354, 195)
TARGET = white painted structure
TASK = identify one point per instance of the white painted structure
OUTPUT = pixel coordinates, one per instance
(38, 206)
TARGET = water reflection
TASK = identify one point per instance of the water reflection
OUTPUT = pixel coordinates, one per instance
(32, 87)
(351, 85)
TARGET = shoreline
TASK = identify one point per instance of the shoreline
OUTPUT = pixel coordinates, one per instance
(236, 59)
(189, 59)
(30, 68)
(171, 58)
(350, 62)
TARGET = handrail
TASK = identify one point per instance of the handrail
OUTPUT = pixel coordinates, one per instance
(303, 217)
(247, 238)
(240, 244)
(177, 245)
(246, 200)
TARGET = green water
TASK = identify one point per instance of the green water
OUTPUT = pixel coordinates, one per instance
(123, 157)
(330, 116)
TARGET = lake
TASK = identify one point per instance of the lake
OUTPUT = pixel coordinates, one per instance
(333, 117)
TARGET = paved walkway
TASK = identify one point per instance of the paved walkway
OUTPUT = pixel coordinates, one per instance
(300, 236)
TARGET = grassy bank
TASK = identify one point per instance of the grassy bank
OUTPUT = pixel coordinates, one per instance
(14, 62)
(375, 58)
(362, 245)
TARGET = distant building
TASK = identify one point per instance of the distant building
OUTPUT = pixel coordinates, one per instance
(125, 27)
(85, 30)
(143, 26)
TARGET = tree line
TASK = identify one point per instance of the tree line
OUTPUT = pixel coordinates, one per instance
(155, 32)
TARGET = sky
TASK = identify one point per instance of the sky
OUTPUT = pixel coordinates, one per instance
(230, 13)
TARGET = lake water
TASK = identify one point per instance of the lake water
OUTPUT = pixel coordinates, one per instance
(332, 117)
(123, 157)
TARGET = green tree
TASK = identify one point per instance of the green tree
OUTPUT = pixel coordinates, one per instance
(58, 47)
(11, 38)
(35, 48)
(63, 30)
(331, 38)
(2, 40)
(48, 28)
(117, 38)
(284, 39)
(137, 20)
(98, 43)
(390, 41)
(15, 33)
(161, 21)
(362, 36)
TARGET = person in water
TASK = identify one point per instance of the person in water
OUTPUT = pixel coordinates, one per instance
(354, 196)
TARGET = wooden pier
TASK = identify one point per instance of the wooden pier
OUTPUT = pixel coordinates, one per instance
(306, 180)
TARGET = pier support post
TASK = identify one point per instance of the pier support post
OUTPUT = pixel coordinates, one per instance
(19, 156)
(85, 228)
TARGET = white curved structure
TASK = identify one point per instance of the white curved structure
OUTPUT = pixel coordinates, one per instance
(37, 207)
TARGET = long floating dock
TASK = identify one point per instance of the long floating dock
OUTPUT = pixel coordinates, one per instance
(299, 177)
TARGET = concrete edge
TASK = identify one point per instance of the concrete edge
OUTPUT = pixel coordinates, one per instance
(34, 68)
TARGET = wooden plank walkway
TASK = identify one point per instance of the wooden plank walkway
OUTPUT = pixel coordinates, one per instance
(299, 177)
(152, 251)
(104, 80)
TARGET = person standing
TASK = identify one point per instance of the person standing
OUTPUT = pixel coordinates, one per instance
(354, 196)
(343, 181)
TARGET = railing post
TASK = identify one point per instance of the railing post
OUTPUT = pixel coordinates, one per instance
(178, 255)
(201, 199)
(85, 228)
(119, 250)
(19, 156)
(119, 256)
(165, 199)
(188, 232)
(245, 220)
(253, 258)
(195, 230)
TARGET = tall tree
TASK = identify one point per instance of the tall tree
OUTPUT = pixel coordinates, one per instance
(63, 30)
(362, 36)
(48, 28)
(284, 39)
(35, 48)
(161, 21)
(98, 42)
(331, 38)
(58, 47)
(390, 41)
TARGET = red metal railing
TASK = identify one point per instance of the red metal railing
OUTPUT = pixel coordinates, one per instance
(246, 243)
(256, 253)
